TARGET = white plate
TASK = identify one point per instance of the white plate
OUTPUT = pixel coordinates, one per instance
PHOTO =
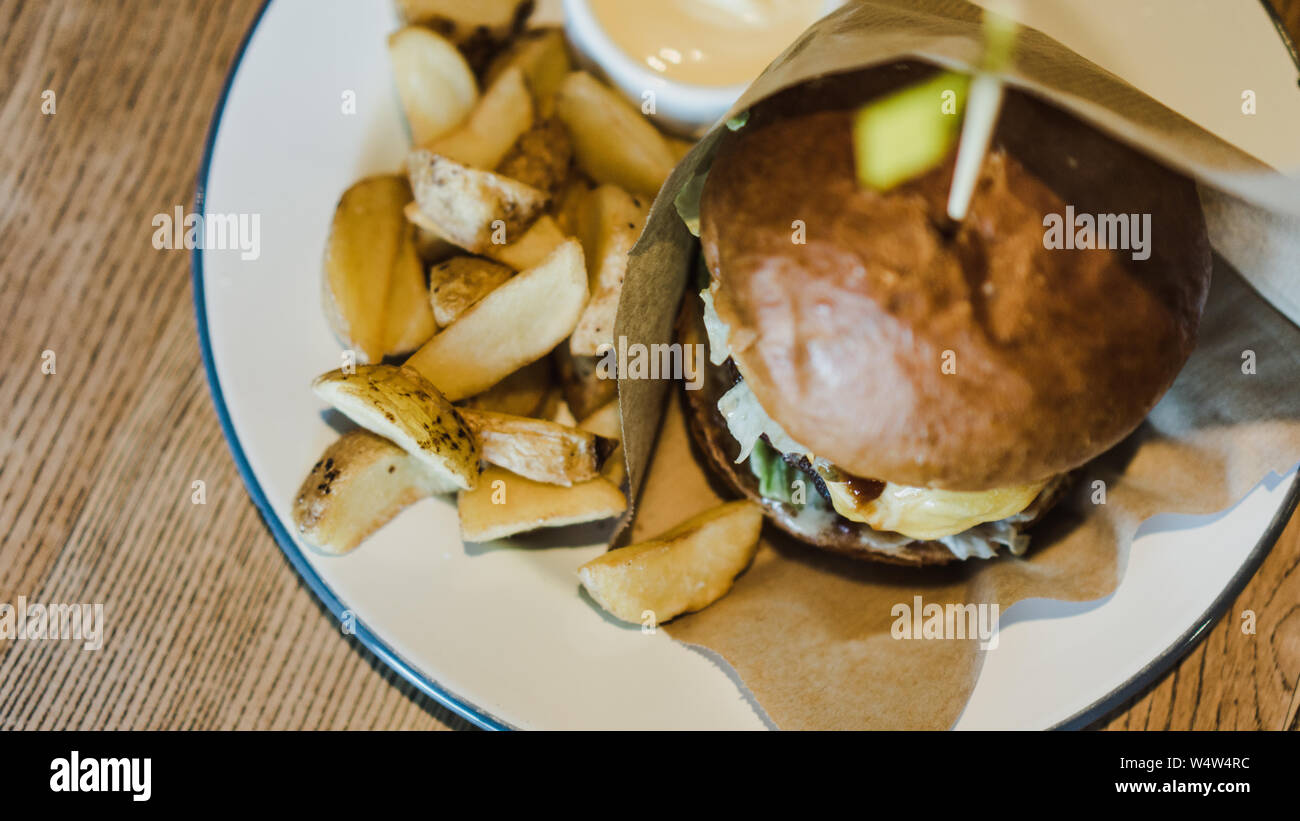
(503, 636)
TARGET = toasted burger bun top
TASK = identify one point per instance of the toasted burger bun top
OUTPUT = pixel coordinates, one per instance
(846, 338)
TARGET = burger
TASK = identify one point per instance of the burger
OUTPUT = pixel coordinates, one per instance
(893, 385)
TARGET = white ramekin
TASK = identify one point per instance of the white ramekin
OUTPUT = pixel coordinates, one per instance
(684, 108)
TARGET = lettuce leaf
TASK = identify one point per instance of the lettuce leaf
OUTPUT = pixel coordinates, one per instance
(775, 476)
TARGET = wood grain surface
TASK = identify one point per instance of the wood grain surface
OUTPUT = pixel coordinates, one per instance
(208, 625)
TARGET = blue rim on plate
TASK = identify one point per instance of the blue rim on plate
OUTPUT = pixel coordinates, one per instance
(481, 718)
(332, 602)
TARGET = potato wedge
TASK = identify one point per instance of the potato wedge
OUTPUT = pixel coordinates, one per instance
(360, 482)
(408, 317)
(464, 16)
(401, 406)
(561, 414)
(551, 404)
(537, 243)
(504, 505)
(479, 28)
(536, 449)
(612, 141)
(609, 223)
(521, 393)
(458, 283)
(424, 225)
(615, 467)
(686, 569)
(504, 114)
(581, 382)
(468, 206)
(367, 239)
(568, 203)
(605, 421)
(518, 323)
(435, 84)
(544, 59)
(431, 247)
(540, 157)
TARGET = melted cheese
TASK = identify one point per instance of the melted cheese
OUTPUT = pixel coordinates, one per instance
(926, 513)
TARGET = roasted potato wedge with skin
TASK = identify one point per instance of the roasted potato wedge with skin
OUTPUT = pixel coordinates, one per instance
(467, 15)
(504, 114)
(431, 247)
(360, 482)
(368, 239)
(408, 317)
(606, 421)
(561, 414)
(427, 226)
(611, 140)
(615, 467)
(609, 223)
(520, 394)
(504, 505)
(536, 449)
(684, 570)
(569, 202)
(467, 205)
(544, 59)
(515, 325)
(537, 243)
(551, 404)
(401, 406)
(458, 283)
(436, 85)
(540, 157)
(479, 28)
(583, 388)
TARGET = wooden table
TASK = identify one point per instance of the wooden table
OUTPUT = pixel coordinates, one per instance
(209, 627)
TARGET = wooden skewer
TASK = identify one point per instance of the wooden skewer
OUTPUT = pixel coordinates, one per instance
(983, 105)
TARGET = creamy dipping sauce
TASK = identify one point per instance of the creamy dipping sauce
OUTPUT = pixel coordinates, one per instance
(706, 42)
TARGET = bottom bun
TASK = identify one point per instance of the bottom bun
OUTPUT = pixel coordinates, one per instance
(815, 526)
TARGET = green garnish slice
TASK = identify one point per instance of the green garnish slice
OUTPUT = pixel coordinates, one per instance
(905, 134)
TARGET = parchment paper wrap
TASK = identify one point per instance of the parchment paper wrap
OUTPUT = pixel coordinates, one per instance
(809, 632)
